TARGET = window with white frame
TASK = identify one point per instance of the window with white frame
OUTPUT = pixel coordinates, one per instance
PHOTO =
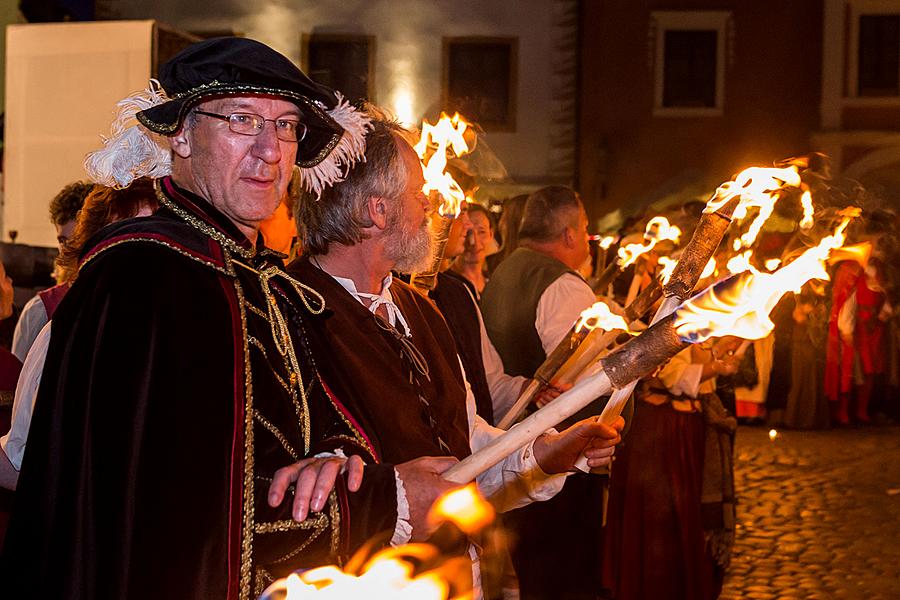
(689, 56)
(874, 61)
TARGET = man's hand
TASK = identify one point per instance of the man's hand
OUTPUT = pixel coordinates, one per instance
(557, 452)
(423, 484)
(550, 393)
(314, 478)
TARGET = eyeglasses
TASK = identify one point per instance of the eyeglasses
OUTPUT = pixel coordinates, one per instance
(287, 130)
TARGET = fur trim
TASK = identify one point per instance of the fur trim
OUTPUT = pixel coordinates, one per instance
(350, 149)
(132, 150)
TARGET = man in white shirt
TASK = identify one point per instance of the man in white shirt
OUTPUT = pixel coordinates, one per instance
(531, 301)
(385, 349)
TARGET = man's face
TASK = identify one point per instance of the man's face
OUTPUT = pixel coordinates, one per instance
(456, 239)
(64, 233)
(409, 243)
(243, 176)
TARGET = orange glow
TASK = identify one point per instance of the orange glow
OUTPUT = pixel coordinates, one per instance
(388, 574)
(465, 508)
(600, 316)
(658, 229)
(444, 137)
(740, 305)
(773, 263)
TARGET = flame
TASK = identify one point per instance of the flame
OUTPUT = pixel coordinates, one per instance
(465, 508)
(757, 187)
(658, 229)
(740, 305)
(808, 211)
(858, 252)
(668, 267)
(740, 263)
(772, 264)
(709, 270)
(444, 136)
(600, 316)
(608, 241)
(388, 574)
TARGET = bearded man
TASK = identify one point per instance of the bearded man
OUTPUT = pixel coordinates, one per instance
(389, 353)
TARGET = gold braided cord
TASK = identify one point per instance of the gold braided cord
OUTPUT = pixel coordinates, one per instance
(200, 225)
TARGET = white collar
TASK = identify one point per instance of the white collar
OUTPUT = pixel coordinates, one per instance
(385, 298)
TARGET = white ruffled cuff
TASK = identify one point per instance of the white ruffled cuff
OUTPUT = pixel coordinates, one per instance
(403, 529)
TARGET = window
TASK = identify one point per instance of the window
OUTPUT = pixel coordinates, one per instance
(342, 62)
(689, 51)
(879, 55)
(479, 80)
(689, 76)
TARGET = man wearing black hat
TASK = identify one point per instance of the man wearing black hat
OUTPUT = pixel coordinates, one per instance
(179, 379)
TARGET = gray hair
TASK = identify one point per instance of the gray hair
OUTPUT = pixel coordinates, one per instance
(340, 214)
(548, 212)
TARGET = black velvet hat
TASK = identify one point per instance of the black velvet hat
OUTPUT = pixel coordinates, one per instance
(136, 146)
(229, 66)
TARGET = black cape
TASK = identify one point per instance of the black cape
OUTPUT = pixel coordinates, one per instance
(169, 398)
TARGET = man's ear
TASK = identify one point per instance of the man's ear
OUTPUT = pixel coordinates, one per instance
(377, 208)
(180, 143)
(569, 237)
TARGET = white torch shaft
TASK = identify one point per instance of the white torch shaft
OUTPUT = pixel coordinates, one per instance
(620, 397)
(526, 431)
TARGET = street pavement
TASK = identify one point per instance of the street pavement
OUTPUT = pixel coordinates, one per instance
(818, 515)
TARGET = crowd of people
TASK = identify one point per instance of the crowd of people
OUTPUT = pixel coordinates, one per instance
(234, 379)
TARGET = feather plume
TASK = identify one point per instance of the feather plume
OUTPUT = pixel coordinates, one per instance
(131, 150)
(350, 149)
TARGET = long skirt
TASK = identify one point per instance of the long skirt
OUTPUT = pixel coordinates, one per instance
(654, 544)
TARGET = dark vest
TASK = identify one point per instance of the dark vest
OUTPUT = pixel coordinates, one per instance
(457, 305)
(363, 364)
(509, 307)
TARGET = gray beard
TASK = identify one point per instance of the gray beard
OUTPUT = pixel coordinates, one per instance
(411, 251)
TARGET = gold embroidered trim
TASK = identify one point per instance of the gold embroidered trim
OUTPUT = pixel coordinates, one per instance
(256, 311)
(357, 435)
(278, 435)
(263, 580)
(161, 243)
(313, 521)
(258, 345)
(334, 514)
(249, 506)
(196, 223)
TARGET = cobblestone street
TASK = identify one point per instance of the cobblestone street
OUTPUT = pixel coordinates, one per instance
(818, 515)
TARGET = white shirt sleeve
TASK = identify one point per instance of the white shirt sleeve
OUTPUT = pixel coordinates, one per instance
(681, 376)
(559, 308)
(515, 481)
(13, 443)
(32, 319)
(846, 321)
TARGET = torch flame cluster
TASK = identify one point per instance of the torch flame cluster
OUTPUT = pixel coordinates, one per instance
(444, 137)
(760, 188)
(390, 573)
(740, 305)
(658, 229)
